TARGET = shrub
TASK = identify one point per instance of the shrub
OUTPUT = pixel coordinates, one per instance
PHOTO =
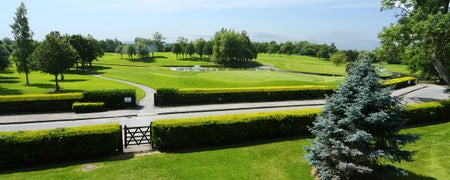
(38, 102)
(429, 112)
(114, 99)
(167, 97)
(42, 146)
(85, 107)
(169, 134)
(403, 82)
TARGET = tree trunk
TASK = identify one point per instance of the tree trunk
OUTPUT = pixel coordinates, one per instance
(56, 81)
(27, 79)
(441, 71)
(62, 77)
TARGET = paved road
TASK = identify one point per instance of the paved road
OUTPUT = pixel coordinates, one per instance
(147, 112)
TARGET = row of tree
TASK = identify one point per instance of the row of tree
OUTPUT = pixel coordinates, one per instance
(56, 54)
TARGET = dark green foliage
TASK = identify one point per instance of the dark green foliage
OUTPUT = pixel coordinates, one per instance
(44, 146)
(23, 42)
(114, 99)
(185, 133)
(38, 103)
(87, 107)
(4, 57)
(358, 126)
(54, 56)
(87, 48)
(230, 47)
(169, 97)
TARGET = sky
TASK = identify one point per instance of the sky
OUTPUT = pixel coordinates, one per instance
(350, 24)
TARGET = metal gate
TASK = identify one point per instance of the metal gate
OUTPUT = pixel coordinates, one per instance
(137, 135)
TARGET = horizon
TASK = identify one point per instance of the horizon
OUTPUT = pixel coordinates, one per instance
(350, 24)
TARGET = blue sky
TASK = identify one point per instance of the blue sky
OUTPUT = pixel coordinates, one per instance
(350, 24)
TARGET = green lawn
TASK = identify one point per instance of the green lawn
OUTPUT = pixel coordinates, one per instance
(13, 83)
(281, 159)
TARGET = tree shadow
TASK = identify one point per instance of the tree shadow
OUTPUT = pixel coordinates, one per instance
(144, 60)
(5, 91)
(43, 86)
(52, 165)
(423, 99)
(96, 70)
(71, 80)
(9, 80)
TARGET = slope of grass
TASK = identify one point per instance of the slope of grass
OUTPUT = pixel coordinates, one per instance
(281, 159)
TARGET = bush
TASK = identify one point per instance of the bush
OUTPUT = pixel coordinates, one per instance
(168, 97)
(38, 102)
(430, 112)
(403, 82)
(182, 133)
(43, 146)
(169, 134)
(114, 99)
(86, 107)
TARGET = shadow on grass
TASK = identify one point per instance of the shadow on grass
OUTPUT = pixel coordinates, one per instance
(144, 60)
(388, 172)
(96, 70)
(6, 91)
(413, 176)
(71, 80)
(43, 86)
(9, 80)
(47, 165)
(250, 142)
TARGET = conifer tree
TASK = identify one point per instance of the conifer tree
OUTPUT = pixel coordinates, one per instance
(358, 127)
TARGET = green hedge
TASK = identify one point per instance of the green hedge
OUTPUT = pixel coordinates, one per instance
(182, 133)
(169, 134)
(169, 97)
(38, 103)
(114, 99)
(86, 107)
(42, 146)
(403, 82)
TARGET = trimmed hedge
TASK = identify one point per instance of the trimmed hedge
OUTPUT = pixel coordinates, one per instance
(182, 133)
(403, 82)
(86, 107)
(178, 133)
(169, 97)
(43, 146)
(38, 102)
(113, 99)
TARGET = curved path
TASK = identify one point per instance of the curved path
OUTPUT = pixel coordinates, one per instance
(146, 105)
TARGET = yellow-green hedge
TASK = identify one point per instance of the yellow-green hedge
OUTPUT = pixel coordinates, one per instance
(168, 97)
(86, 107)
(403, 82)
(41, 146)
(38, 102)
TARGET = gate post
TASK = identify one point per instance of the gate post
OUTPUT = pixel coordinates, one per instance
(120, 144)
(125, 135)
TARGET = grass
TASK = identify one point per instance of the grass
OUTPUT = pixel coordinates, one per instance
(13, 83)
(282, 159)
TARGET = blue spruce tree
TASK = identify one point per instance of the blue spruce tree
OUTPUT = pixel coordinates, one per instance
(358, 127)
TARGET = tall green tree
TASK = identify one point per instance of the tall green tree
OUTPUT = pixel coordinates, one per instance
(23, 37)
(358, 127)
(4, 57)
(131, 50)
(190, 49)
(199, 45)
(87, 47)
(54, 56)
(176, 49)
(183, 43)
(142, 50)
(119, 50)
(421, 35)
(338, 58)
(232, 47)
(158, 39)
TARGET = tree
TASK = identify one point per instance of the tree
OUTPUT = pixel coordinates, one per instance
(4, 57)
(176, 49)
(183, 43)
(23, 42)
(190, 49)
(421, 35)
(158, 39)
(338, 58)
(131, 50)
(119, 50)
(142, 50)
(287, 48)
(87, 47)
(352, 55)
(208, 49)
(54, 56)
(273, 47)
(199, 45)
(232, 48)
(324, 51)
(358, 127)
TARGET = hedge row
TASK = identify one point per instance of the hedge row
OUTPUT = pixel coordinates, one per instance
(169, 97)
(403, 82)
(42, 146)
(114, 99)
(38, 103)
(182, 133)
(86, 107)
